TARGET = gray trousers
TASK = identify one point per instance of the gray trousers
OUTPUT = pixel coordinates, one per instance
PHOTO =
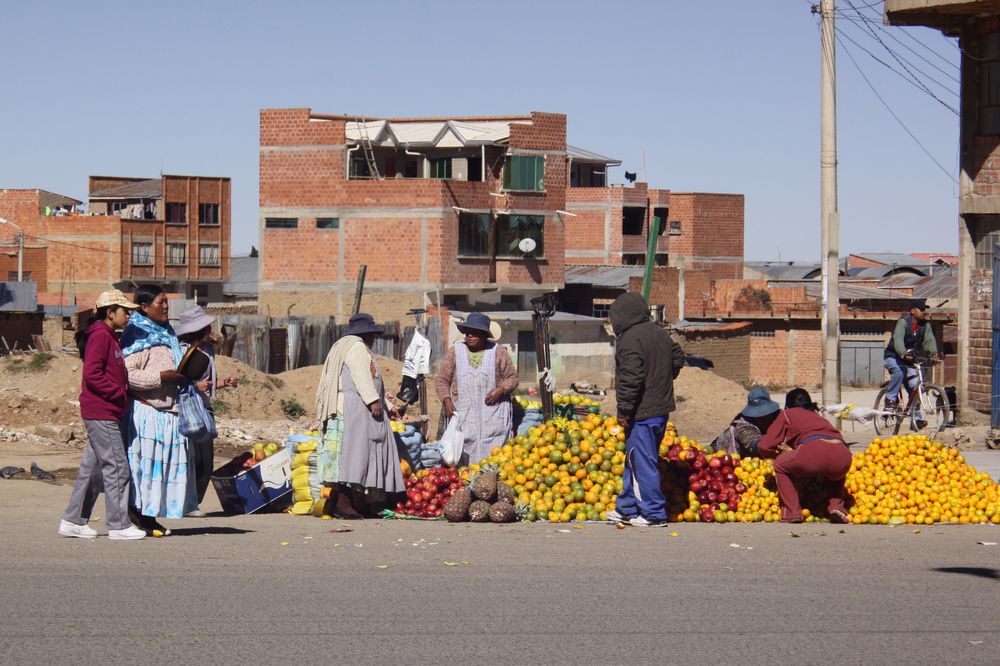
(104, 465)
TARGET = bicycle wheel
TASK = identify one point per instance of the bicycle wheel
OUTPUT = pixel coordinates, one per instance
(936, 410)
(886, 424)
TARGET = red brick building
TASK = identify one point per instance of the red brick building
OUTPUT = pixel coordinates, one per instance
(436, 208)
(171, 230)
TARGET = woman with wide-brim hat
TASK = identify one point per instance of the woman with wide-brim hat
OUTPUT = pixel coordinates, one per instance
(359, 458)
(746, 429)
(475, 384)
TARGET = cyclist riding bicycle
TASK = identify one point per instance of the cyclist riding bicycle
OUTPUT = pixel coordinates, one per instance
(911, 337)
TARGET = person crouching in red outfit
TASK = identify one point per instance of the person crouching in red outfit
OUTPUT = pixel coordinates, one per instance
(804, 444)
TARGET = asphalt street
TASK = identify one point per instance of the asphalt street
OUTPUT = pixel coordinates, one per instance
(277, 587)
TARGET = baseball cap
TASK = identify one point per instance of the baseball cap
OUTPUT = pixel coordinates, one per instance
(114, 297)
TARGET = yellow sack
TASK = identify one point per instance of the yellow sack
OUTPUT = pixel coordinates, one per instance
(318, 507)
(302, 508)
(306, 447)
(300, 473)
(302, 494)
(300, 484)
(301, 459)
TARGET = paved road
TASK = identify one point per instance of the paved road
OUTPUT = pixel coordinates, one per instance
(227, 590)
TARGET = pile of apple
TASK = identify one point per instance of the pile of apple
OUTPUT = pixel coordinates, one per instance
(714, 482)
(260, 451)
(428, 490)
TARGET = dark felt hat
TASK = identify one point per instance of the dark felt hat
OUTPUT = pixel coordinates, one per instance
(363, 324)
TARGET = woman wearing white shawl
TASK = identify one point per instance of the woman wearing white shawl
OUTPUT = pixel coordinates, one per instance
(358, 456)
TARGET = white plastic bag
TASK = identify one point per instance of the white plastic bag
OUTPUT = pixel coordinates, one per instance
(453, 443)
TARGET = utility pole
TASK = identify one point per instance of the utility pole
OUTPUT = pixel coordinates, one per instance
(20, 256)
(830, 217)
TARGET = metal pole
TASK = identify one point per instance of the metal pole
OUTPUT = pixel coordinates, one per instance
(654, 235)
(360, 289)
(829, 216)
(20, 256)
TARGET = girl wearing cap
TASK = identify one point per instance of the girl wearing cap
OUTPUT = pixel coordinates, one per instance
(103, 403)
(195, 330)
(475, 383)
(160, 457)
(359, 458)
(803, 445)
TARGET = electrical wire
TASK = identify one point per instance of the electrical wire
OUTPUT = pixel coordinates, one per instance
(909, 48)
(901, 63)
(891, 68)
(878, 23)
(893, 114)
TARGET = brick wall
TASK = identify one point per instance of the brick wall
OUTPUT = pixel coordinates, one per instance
(790, 357)
(599, 207)
(981, 340)
(34, 262)
(728, 350)
(711, 234)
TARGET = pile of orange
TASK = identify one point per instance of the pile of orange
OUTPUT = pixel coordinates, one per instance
(564, 470)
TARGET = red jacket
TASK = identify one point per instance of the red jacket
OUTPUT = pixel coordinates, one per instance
(792, 426)
(104, 394)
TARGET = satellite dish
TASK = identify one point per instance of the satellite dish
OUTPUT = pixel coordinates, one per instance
(527, 245)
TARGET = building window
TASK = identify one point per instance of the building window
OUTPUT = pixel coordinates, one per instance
(208, 255)
(327, 222)
(208, 213)
(177, 254)
(988, 69)
(524, 173)
(142, 254)
(177, 213)
(761, 334)
(512, 229)
(359, 168)
(675, 227)
(587, 175)
(441, 167)
(281, 223)
(632, 220)
(985, 230)
(473, 234)
(602, 310)
(12, 276)
(863, 328)
(661, 215)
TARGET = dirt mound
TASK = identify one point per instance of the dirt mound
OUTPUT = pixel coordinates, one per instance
(706, 403)
(37, 390)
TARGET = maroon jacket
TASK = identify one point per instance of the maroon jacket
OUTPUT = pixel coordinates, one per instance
(104, 391)
(793, 426)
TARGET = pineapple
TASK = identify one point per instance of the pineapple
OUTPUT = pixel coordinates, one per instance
(521, 511)
(502, 512)
(505, 493)
(484, 485)
(456, 509)
(479, 511)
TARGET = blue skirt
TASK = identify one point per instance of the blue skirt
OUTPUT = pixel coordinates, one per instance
(158, 456)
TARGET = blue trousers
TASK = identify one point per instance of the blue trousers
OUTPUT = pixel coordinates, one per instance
(641, 493)
(896, 372)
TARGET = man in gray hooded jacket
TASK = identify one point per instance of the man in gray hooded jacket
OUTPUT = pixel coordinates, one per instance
(646, 362)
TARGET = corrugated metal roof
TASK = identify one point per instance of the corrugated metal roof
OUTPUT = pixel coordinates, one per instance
(786, 270)
(888, 258)
(875, 272)
(18, 296)
(582, 155)
(143, 189)
(525, 315)
(243, 276)
(608, 277)
(430, 133)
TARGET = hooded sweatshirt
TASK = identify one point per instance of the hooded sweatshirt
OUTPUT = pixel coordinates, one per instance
(104, 390)
(646, 361)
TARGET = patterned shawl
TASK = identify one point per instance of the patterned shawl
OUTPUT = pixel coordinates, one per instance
(143, 333)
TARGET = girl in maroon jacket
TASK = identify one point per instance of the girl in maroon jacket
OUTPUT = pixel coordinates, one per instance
(103, 403)
(804, 444)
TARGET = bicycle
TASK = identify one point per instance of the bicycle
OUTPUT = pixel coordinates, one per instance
(928, 401)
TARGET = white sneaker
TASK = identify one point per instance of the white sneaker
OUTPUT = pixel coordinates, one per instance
(197, 513)
(68, 529)
(614, 517)
(129, 533)
(639, 521)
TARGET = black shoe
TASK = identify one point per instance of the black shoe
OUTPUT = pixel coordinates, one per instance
(921, 424)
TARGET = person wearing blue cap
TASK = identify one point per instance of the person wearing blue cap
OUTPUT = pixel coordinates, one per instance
(749, 426)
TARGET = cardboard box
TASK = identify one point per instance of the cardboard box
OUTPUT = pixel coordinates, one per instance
(266, 484)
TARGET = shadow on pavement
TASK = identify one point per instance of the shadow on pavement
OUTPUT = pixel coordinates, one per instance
(981, 572)
(195, 531)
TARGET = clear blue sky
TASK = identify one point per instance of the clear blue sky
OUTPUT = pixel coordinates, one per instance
(720, 96)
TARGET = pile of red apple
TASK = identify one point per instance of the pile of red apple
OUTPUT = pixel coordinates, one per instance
(426, 495)
(713, 481)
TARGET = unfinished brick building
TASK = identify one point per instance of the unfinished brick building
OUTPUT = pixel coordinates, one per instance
(171, 230)
(441, 210)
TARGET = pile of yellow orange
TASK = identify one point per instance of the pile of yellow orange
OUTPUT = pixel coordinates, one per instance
(564, 470)
(914, 480)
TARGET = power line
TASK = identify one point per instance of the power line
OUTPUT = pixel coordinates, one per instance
(913, 51)
(877, 22)
(902, 64)
(895, 117)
